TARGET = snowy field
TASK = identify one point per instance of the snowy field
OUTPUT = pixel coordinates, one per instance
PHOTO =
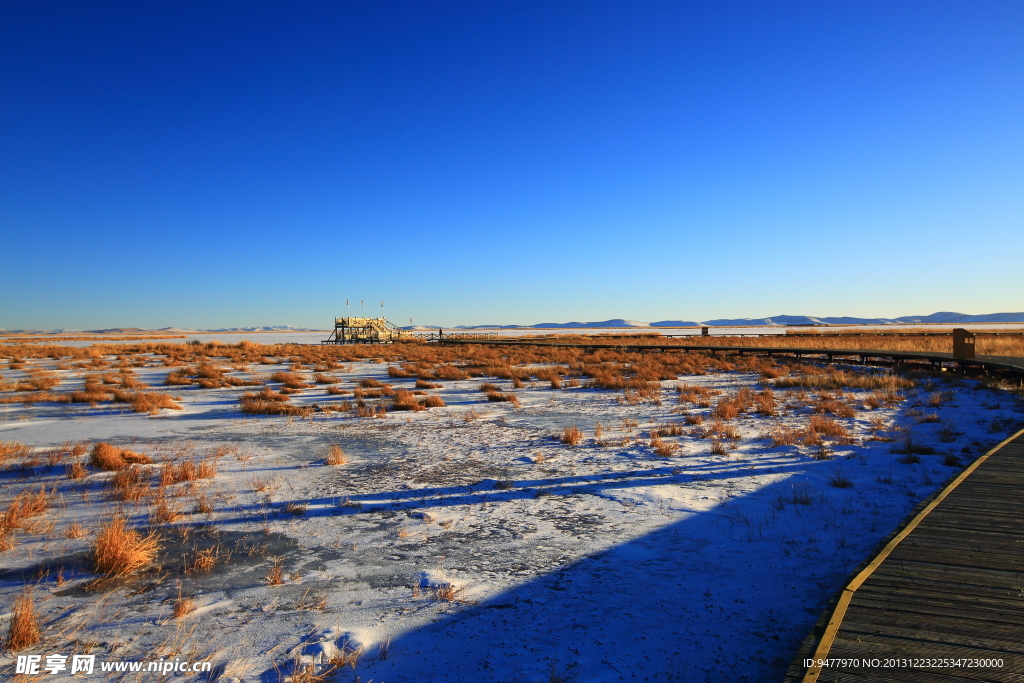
(471, 542)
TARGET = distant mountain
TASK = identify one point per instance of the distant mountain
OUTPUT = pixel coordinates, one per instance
(616, 322)
(941, 318)
(945, 318)
(118, 330)
(267, 328)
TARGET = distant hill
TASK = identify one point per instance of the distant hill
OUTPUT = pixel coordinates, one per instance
(946, 318)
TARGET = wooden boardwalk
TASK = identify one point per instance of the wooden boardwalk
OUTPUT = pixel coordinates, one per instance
(949, 585)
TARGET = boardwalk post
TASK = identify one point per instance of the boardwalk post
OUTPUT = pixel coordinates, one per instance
(963, 343)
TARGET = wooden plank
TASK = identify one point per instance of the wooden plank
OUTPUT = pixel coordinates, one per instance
(968, 546)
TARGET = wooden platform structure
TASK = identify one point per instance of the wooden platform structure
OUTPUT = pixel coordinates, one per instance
(948, 585)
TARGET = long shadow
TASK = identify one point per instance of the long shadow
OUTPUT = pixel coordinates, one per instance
(486, 491)
(726, 594)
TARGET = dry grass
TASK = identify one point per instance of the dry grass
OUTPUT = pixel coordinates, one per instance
(152, 402)
(499, 397)
(378, 411)
(183, 607)
(75, 470)
(839, 480)
(269, 402)
(38, 380)
(203, 505)
(23, 631)
(335, 456)
(433, 402)
(662, 448)
(130, 484)
(276, 575)
(729, 407)
(204, 561)
(20, 510)
(406, 400)
(447, 592)
(10, 450)
(120, 550)
(812, 377)
(74, 530)
(764, 403)
(290, 380)
(164, 512)
(827, 427)
(784, 436)
(110, 458)
(572, 436)
(189, 469)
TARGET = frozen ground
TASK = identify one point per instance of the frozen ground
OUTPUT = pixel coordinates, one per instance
(468, 543)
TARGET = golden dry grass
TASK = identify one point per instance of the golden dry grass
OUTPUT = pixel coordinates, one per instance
(406, 400)
(183, 607)
(269, 402)
(120, 550)
(335, 456)
(164, 512)
(205, 560)
(110, 458)
(290, 380)
(189, 469)
(75, 470)
(19, 512)
(23, 630)
(572, 435)
(782, 435)
(74, 530)
(130, 484)
(500, 397)
(203, 505)
(662, 448)
(10, 450)
(275, 577)
(152, 402)
(812, 377)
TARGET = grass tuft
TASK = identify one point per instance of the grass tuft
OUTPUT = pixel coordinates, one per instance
(572, 436)
(335, 456)
(110, 458)
(120, 550)
(23, 631)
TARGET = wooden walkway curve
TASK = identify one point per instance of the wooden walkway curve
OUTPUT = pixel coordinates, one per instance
(1002, 365)
(948, 585)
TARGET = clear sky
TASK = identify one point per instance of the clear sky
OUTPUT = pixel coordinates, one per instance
(216, 164)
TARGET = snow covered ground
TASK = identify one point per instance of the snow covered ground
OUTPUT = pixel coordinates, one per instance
(469, 543)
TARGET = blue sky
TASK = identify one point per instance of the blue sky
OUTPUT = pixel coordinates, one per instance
(219, 164)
